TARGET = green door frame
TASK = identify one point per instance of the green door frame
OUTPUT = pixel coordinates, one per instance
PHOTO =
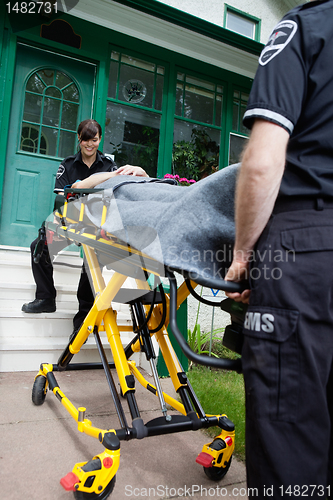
(7, 69)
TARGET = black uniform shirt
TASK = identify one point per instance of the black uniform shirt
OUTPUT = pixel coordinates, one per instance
(73, 169)
(293, 87)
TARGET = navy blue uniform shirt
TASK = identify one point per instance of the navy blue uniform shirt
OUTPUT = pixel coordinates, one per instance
(293, 87)
(73, 169)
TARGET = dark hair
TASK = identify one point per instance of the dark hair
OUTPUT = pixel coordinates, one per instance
(88, 129)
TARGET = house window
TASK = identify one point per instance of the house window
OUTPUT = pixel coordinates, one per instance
(30, 140)
(238, 109)
(173, 116)
(197, 126)
(239, 135)
(242, 23)
(50, 114)
(134, 110)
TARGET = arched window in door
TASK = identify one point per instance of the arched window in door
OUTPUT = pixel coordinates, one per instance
(50, 114)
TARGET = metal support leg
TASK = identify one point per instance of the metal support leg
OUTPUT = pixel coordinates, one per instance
(148, 349)
(110, 381)
(159, 390)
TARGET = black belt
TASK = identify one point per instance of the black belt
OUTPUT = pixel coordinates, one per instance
(301, 203)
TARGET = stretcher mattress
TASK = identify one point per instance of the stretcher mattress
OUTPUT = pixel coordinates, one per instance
(188, 228)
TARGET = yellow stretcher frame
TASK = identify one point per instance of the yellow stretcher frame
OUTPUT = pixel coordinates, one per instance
(96, 478)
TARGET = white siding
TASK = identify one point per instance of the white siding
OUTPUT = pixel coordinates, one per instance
(269, 11)
(156, 31)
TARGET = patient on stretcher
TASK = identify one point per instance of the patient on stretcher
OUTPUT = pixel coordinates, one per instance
(188, 228)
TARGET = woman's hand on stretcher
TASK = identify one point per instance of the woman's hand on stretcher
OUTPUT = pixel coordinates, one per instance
(131, 170)
(94, 180)
(238, 271)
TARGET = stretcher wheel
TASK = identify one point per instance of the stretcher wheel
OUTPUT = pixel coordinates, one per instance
(217, 473)
(81, 495)
(39, 390)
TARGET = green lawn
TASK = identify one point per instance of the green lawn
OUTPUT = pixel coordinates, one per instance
(222, 391)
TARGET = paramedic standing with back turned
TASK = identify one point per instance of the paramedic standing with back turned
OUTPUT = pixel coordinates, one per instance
(284, 216)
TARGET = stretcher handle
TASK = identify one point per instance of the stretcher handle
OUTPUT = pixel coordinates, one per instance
(218, 283)
(202, 359)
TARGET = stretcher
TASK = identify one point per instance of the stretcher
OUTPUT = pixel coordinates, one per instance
(152, 311)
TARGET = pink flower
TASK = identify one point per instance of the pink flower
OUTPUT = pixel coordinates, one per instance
(182, 181)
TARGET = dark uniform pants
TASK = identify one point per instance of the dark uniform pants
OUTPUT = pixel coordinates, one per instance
(287, 358)
(43, 275)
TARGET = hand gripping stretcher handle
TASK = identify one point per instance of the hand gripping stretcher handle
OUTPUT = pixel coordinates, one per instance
(202, 359)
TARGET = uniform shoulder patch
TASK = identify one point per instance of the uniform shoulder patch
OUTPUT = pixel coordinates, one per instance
(279, 39)
(109, 156)
(61, 170)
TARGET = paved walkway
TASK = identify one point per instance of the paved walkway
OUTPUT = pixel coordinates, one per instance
(39, 445)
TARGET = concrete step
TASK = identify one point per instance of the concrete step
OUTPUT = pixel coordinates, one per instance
(15, 267)
(49, 319)
(26, 340)
(13, 296)
(39, 343)
(37, 338)
(27, 357)
(8, 252)
(23, 254)
(20, 272)
(23, 360)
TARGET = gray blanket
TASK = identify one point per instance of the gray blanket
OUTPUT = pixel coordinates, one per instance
(187, 228)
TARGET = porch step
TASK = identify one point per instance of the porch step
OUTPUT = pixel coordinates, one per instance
(26, 340)
(24, 359)
(14, 295)
(37, 321)
(17, 269)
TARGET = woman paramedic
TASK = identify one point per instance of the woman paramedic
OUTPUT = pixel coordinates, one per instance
(85, 170)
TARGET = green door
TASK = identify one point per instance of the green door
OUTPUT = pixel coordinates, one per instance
(51, 95)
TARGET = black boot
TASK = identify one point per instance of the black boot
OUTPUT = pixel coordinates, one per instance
(40, 306)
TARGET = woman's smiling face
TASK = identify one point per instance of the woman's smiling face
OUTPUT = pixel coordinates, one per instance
(89, 148)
